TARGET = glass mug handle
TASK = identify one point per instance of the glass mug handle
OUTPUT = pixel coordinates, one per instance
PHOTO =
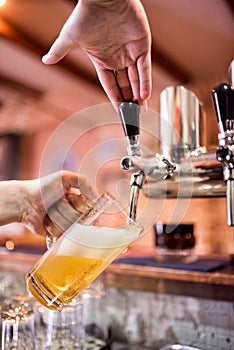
(62, 214)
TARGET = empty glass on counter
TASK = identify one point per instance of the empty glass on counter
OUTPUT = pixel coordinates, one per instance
(94, 312)
(26, 324)
(82, 253)
(17, 320)
(179, 347)
(64, 329)
(174, 243)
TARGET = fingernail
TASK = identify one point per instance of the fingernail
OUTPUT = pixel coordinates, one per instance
(44, 58)
(144, 109)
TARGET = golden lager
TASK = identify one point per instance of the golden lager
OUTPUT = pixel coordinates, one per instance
(62, 277)
(75, 260)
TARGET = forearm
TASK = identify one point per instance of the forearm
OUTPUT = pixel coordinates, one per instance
(11, 201)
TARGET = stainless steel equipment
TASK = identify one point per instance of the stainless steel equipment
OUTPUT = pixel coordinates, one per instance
(223, 98)
(182, 137)
(184, 161)
(139, 166)
(182, 124)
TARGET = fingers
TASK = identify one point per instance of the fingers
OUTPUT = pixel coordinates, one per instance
(59, 184)
(64, 208)
(52, 231)
(58, 219)
(85, 187)
(65, 41)
(64, 213)
(116, 85)
(131, 83)
(124, 85)
(134, 80)
(108, 81)
(80, 203)
(76, 184)
(145, 76)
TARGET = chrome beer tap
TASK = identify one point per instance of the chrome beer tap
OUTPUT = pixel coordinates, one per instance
(223, 99)
(138, 165)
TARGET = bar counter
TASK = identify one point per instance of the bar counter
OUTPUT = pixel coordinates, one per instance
(209, 285)
(150, 307)
(217, 285)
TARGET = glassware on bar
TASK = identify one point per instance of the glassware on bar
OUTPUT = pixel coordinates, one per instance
(17, 319)
(64, 329)
(174, 242)
(82, 253)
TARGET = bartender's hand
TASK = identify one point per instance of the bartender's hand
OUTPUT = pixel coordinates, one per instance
(28, 202)
(116, 36)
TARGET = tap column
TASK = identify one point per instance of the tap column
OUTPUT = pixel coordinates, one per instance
(223, 99)
(139, 166)
(129, 115)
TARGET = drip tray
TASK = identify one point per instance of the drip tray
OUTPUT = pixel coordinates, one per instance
(202, 264)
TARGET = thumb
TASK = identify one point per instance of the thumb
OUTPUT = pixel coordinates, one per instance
(61, 46)
(67, 39)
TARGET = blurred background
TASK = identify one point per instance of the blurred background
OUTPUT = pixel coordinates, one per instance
(193, 46)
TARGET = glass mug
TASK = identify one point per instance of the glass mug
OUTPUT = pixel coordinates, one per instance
(82, 253)
(17, 321)
(64, 330)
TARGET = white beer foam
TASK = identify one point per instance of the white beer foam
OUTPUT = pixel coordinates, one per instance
(82, 240)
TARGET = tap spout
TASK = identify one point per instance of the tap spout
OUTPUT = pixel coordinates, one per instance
(157, 167)
(129, 115)
(138, 165)
(137, 180)
(230, 202)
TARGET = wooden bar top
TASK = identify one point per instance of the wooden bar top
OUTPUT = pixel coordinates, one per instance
(212, 285)
(217, 285)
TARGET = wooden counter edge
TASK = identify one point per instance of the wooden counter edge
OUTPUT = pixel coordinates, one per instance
(218, 278)
(205, 285)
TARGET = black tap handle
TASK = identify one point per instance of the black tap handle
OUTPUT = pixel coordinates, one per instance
(129, 115)
(223, 99)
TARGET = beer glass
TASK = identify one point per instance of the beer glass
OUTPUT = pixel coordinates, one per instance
(65, 329)
(17, 320)
(82, 253)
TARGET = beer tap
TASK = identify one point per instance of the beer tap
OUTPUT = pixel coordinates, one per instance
(223, 99)
(138, 165)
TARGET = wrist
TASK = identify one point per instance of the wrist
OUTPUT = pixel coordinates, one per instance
(11, 201)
